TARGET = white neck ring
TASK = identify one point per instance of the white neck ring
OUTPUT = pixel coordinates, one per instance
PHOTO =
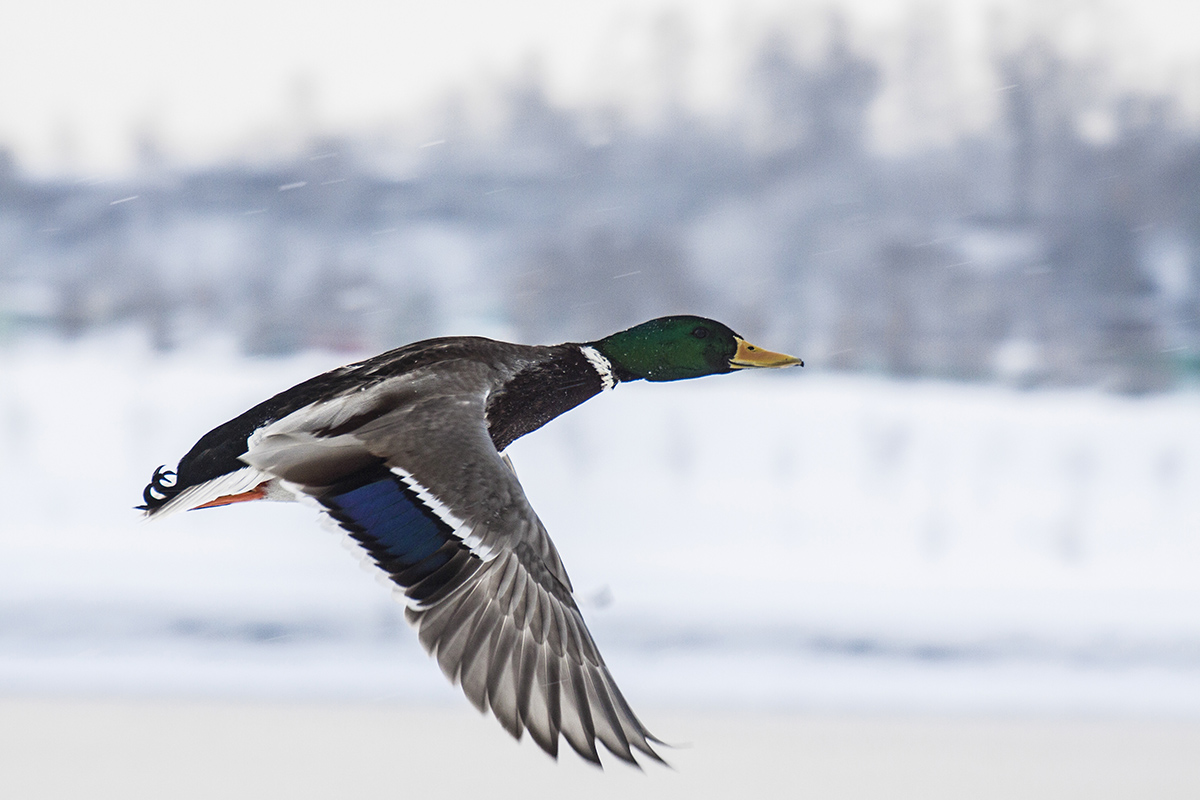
(602, 365)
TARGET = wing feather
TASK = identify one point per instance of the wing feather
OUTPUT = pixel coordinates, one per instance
(541, 718)
(502, 679)
(473, 672)
(525, 661)
(576, 718)
(441, 513)
(607, 723)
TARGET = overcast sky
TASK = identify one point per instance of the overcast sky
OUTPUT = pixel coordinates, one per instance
(78, 78)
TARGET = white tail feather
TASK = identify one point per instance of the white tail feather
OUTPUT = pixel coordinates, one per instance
(233, 483)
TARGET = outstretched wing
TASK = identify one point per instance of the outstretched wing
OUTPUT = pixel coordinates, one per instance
(443, 515)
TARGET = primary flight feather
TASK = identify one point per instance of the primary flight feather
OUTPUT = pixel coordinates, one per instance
(404, 452)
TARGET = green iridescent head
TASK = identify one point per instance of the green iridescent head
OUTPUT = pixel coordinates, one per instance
(674, 348)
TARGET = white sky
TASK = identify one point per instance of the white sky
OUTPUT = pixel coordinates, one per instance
(79, 77)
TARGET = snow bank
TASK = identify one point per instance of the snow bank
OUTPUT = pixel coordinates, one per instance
(798, 538)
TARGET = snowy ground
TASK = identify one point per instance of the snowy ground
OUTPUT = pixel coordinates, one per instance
(155, 748)
(798, 540)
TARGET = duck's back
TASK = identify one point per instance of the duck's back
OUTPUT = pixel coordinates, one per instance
(520, 387)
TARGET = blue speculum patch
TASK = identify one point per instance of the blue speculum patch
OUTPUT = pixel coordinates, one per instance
(395, 525)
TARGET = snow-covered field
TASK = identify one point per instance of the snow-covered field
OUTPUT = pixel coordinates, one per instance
(799, 539)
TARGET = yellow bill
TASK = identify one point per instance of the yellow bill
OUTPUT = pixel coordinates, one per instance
(749, 355)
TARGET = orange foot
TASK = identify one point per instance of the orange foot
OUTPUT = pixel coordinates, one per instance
(257, 493)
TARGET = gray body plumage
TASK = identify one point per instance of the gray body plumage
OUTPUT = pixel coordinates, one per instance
(502, 621)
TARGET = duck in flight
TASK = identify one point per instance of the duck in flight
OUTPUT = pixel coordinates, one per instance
(405, 452)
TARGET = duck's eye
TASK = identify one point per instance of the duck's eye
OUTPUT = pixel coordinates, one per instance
(700, 333)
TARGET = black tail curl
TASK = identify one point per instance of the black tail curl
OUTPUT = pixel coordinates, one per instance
(163, 486)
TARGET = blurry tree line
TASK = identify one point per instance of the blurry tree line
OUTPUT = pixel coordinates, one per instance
(1058, 247)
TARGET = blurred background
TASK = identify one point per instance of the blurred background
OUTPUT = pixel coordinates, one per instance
(978, 223)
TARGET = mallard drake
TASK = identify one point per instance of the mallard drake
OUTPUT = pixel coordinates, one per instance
(405, 452)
